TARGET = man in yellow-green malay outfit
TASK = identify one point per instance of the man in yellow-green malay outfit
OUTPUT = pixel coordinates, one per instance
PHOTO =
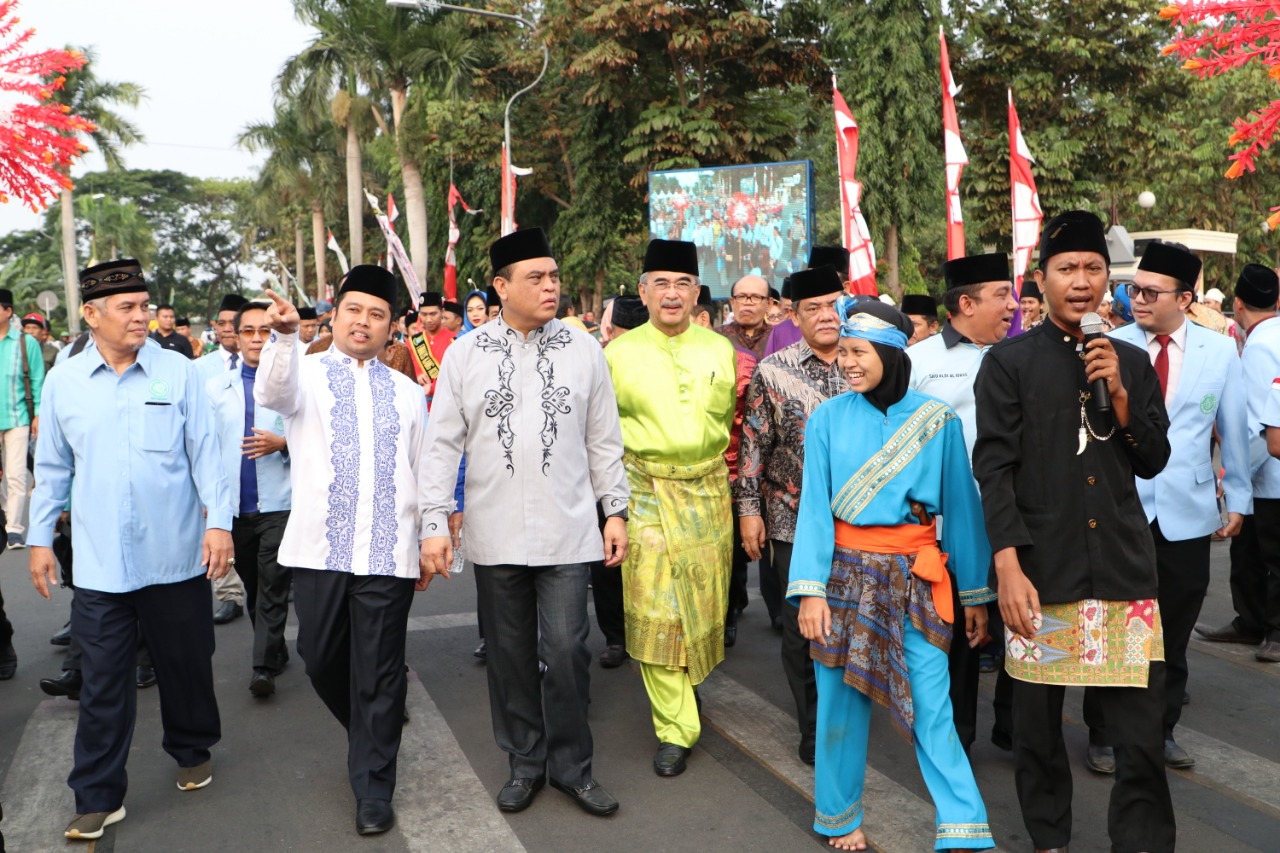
(676, 387)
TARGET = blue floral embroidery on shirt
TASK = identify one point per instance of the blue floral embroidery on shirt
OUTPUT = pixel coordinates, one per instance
(501, 399)
(386, 429)
(344, 490)
(553, 398)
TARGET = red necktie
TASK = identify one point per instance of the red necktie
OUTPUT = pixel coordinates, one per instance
(1162, 362)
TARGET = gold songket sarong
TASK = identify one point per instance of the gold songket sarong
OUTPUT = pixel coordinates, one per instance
(675, 580)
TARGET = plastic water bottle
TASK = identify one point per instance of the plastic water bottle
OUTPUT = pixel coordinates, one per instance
(458, 561)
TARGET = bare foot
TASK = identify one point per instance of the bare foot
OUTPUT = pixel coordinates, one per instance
(855, 840)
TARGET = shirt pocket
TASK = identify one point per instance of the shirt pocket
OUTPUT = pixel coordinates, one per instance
(161, 427)
(1204, 472)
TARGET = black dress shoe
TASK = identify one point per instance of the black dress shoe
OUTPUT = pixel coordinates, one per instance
(593, 799)
(1228, 634)
(517, 794)
(730, 636)
(808, 748)
(146, 676)
(68, 684)
(1101, 759)
(8, 663)
(374, 816)
(227, 612)
(1268, 652)
(63, 637)
(775, 622)
(613, 657)
(482, 651)
(669, 760)
(262, 684)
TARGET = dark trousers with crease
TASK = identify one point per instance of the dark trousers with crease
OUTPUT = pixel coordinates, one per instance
(6, 627)
(606, 591)
(1140, 817)
(796, 662)
(962, 666)
(540, 722)
(256, 537)
(1255, 571)
(351, 635)
(178, 627)
(738, 598)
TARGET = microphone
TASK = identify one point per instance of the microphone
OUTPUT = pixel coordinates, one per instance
(1091, 325)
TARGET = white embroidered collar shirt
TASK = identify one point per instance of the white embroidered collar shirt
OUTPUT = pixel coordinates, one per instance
(355, 436)
(538, 421)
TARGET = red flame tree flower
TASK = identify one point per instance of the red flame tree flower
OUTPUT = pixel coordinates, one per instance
(39, 139)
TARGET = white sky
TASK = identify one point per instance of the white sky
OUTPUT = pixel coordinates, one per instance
(207, 65)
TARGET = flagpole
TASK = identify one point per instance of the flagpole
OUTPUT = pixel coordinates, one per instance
(508, 177)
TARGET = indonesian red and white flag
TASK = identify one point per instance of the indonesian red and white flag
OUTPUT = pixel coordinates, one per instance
(1027, 215)
(509, 174)
(450, 257)
(957, 159)
(337, 250)
(853, 228)
(393, 212)
(395, 250)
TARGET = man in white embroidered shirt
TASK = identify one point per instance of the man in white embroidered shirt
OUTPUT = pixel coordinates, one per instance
(530, 402)
(352, 538)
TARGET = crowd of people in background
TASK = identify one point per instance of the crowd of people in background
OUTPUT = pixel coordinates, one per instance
(342, 455)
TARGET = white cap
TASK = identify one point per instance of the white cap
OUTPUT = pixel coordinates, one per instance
(1215, 295)
(888, 300)
(1107, 297)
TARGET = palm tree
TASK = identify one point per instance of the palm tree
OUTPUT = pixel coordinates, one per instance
(301, 173)
(93, 99)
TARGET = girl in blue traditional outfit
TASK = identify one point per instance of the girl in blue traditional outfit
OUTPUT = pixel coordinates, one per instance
(881, 462)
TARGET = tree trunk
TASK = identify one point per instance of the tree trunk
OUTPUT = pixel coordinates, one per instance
(300, 257)
(415, 197)
(318, 242)
(69, 277)
(355, 195)
(892, 284)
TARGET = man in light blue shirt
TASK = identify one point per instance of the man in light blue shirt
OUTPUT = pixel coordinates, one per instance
(256, 461)
(129, 437)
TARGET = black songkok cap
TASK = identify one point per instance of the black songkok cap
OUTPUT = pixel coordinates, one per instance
(307, 312)
(1073, 231)
(373, 280)
(836, 257)
(921, 304)
(431, 299)
(409, 316)
(774, 294)
(1030, 288)
(6, 297)
(976, 269)
(818, 281)
(1258, 287)
(519, 246)
(671, 256)
(1172, 260)
(232, 302)
(182, 321)
(492, 299)
(121, 276)
(630, 311)
(452, 307)
(704, 295)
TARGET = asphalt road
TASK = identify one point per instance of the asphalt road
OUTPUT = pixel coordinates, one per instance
(280, 777)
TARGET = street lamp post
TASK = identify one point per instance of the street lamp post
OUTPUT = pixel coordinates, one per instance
(433, 6)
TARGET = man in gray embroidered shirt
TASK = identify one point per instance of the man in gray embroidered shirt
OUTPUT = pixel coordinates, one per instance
(530, 402)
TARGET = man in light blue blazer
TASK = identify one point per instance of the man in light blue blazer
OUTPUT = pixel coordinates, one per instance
(256, 460)
(1204, 387)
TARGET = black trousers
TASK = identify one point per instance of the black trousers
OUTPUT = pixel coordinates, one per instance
(1140, 817)
(962, 666)
(738, 599)
(1002, 703)
(1255, 571)
(178, 626)
(256, 537)
(351, 635)
(797, 665)
(63, 551)
(540, 722)
(771, 586)
(606, 591)
(6, 627)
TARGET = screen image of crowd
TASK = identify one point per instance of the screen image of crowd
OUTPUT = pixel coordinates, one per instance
(745, 220)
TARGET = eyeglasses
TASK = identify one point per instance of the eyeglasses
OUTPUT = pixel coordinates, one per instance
(250, 333)
(1149, 294)
(749, 299)
(680, 285)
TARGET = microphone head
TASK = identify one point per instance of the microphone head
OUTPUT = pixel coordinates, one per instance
(1091, 324)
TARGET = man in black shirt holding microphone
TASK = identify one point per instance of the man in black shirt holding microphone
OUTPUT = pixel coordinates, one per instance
(1074, 556)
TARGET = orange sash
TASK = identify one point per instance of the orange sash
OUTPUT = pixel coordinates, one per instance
(922, 540)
